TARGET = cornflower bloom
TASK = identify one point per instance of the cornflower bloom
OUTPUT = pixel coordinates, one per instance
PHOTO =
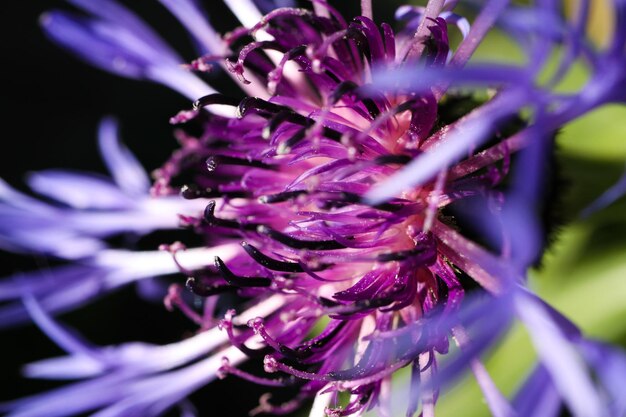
(330, 200)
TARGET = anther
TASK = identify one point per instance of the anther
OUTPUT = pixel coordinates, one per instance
(422, 255)
(212, 162)
(392, 159)
(192, 192)
(270, 263)
(263, 108)
(297, 243)
(214, 99)
(211, 219)
(280, 197)
(238, 281)
(205, 290)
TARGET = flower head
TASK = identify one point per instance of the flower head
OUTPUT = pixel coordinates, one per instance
(330, 196)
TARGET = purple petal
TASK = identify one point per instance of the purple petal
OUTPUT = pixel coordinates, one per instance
(607, 198)
(16, 199)
(63, 298)
(496, 401)
(609, 364)
(189, 13)
(246, 11)
(459, 21)
(64, 338)
(44, 235)
(267, 6)
(79, 36)
(115, 13)
(78, 190)
(538, 396)
(123, 51)
(122, 164)
(560, 359)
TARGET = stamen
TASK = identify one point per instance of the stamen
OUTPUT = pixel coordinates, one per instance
(275, 76)
(419, 255)
(214, 161)
(285, 147)
(227, 369)
(390, 42)
(271, 365)
(357, 199)
(238, 67)
(281, 197)
(281, 12)
(259, 328)
(270, 263)
(215, 99)
(205, 290)
(174, 299)
(264, 108)
(284, 116)
(297, 243)
(278, 410)
(238, 281)
(227, 324)
(341, 90)
(212, 220)
(192, 192)
(392, 159)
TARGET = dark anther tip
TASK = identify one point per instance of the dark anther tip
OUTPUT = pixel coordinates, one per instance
(209, 211)
(211, 163)
(214, 99)
(189, 192)
(190, 284)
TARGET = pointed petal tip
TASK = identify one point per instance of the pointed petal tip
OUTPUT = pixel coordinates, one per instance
(45, 19)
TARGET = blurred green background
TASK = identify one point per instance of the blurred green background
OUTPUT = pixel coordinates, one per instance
(583, 273)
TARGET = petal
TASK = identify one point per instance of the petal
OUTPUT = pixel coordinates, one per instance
(114, 12)
(609, 364)
(78, 190)
(123, 51)
(246, 11)
(122, 164)
(267, 6)
(538, 396)
(560, 358)
(189, 13)
(78, 35)
(63, 337)
(62, 298)
(18, 200)
(610, 196)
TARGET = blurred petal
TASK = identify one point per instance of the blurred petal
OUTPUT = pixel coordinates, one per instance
(246, 11)
(609, 365)
(538, 396)
(78, 190)
(610, 196)
(560, 359)
(125, 169)
(189, 13)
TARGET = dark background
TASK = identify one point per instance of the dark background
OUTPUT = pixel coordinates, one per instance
(51, 107)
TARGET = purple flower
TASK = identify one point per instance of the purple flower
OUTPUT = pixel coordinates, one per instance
(331, 197)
